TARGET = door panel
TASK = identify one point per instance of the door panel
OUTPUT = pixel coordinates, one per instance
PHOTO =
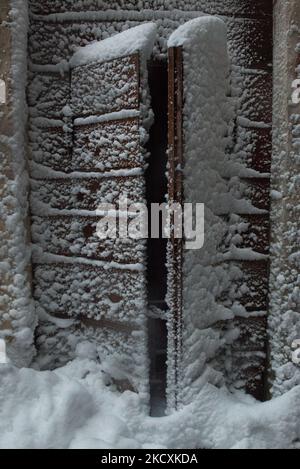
(217, 295)
(85, 287)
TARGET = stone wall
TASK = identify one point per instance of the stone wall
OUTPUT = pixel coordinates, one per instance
(17, 318)
(284, 298)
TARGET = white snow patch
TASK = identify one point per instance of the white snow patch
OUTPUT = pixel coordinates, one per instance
(78, 406)
(139, 39)
(124, 114)
(197, 29)
(43, 257)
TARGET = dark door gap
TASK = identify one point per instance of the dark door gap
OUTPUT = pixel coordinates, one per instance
(156, 187)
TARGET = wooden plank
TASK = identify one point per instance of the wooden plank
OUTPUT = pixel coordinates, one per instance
(118, 81)
(255, 95)
(250, 43)
(249, 231)
(257, 191)
(112, 338)
(254, 148)
(253, 334)
(110, 145)
(77, 236)
(250, 373)
(78, 291)
(86, 193)
(256, 279)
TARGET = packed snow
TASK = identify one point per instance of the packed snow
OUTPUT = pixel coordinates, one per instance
(78, 407)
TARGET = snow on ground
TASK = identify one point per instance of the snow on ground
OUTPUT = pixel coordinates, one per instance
(76, 407)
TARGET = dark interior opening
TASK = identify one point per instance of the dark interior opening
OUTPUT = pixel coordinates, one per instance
(157, 329)
(156, 182)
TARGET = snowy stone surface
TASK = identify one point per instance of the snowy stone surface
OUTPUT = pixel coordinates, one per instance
(17, 319)
(284, 324)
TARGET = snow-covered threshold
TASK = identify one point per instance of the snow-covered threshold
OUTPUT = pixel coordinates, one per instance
(79, 405)
(75, 407)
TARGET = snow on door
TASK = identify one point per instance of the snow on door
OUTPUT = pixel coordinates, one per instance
(217, 295)
(85, 287)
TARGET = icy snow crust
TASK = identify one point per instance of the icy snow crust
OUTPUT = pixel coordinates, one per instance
(211, 6)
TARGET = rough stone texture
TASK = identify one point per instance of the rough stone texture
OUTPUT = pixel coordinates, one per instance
(17, 318)
(284, 324)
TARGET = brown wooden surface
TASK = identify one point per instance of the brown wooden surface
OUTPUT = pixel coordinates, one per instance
(119, 75)
(113, 154)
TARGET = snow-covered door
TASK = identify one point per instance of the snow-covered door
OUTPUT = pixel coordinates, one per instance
(97, 287)
(215, 291)
(198, 117)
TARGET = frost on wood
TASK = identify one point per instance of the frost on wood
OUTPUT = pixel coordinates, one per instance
(86, 151)
(76, 236)
(118, 81)
(85, 193)
(17, 317)
(224, 292)
(99, 146)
